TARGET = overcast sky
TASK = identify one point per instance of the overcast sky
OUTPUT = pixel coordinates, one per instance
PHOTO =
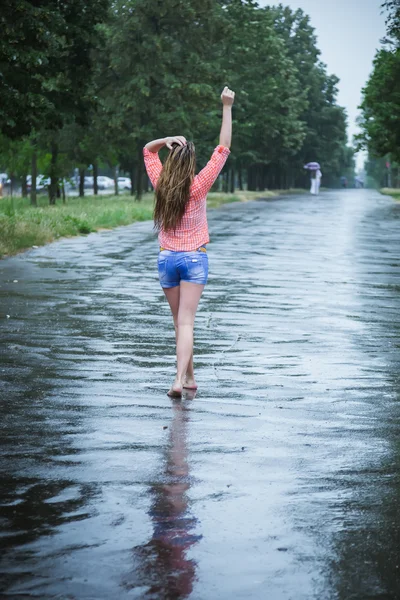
(348, 34)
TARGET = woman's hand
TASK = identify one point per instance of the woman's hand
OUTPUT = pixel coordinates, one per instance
(227, 96)
(178, 139)
(156, 145)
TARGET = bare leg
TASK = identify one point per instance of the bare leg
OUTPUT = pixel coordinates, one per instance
(173, 296)
(190, 382)
(189, 300)
(183, 301)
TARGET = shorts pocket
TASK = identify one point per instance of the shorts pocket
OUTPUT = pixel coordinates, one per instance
(162, 264)
(196, 267)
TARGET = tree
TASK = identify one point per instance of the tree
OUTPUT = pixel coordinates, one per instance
(46, 65)
(130, 70)
(30, 42)
(269, 100)
(324, 121)
(380, 108)
(16, 157)
(160, 74)
(393, 20)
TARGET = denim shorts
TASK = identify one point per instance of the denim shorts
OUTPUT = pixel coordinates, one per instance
(174, 267)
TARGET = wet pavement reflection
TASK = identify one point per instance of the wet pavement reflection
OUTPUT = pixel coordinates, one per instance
(162, 566)
(279, 480)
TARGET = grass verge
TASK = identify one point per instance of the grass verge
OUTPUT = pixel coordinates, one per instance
(216, 199)
(23, 226)
(394, 192)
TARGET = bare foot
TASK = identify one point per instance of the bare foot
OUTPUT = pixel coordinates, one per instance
(176, 390)
(190, 394)
(190, 383)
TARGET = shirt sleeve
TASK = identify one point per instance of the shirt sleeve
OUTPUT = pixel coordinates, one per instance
(153, 165)
(205, 179)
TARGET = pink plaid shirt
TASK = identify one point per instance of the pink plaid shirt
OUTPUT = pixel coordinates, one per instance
(193, 229)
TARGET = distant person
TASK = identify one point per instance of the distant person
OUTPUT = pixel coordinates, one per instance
(181, 220)
(315, 181)
(318, 177)
(343, 182)
(313, 189)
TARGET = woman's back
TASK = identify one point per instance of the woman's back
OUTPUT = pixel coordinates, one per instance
(192, 231)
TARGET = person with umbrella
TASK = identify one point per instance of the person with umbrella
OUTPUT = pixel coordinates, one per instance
(316, 175)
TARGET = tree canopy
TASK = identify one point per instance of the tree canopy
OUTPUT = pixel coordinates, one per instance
(380, 108)
(90, 81)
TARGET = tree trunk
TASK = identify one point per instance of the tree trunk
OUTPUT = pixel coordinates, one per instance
(250, 179)
(263, 177)
(139, 174)
(53, 173)
(33, 178)
(24, 186)
(259, 178)
(63, 191)
(95, 174)
(116, 172)
(389, 178)
(240, 179)
(81, 183)
(146, 183)
(225, 186)
(232, 181)
(132, 176)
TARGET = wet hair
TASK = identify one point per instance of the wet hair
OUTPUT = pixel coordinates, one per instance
(173, 187)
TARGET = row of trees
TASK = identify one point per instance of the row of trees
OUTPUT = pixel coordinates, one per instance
(88, 82)
(380, 119)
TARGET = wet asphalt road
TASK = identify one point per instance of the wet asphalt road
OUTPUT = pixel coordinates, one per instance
(279, 481)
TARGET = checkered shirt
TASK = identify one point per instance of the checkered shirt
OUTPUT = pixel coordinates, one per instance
(193, 229)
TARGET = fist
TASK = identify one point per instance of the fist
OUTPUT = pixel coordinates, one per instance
(227, 96)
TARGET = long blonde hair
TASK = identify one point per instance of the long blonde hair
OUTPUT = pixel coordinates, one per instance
(173, 187)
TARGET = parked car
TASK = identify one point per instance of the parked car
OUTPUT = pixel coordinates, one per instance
(88, 184)
(104, 182)
(124, 183)
(41, 182)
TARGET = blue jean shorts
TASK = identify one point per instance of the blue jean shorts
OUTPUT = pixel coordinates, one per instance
(174, 267)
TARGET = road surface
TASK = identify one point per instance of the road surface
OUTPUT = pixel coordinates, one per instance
(278, 481)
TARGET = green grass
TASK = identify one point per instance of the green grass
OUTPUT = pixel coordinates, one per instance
(394, 192)
(23, 226)
(215, 199)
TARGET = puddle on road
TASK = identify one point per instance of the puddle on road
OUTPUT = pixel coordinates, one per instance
(280, 477)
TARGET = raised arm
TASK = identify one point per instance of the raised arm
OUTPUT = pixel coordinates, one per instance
(225, 137)
(205, 179)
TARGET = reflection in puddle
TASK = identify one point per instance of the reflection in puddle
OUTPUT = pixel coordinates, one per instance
(164, 568)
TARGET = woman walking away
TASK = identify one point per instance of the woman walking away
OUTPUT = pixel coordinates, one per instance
(181, 220)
